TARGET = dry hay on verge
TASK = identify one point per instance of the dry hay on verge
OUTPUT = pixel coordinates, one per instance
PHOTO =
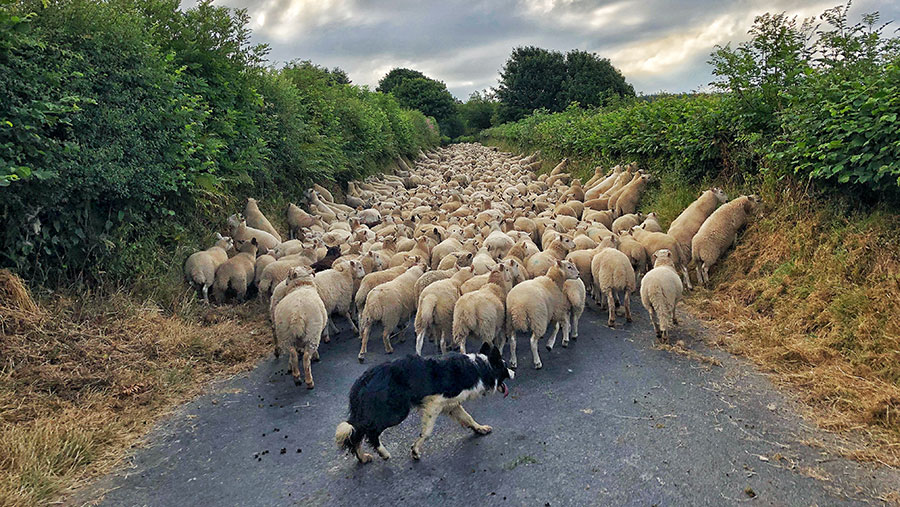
(84, 377)
(812, 296)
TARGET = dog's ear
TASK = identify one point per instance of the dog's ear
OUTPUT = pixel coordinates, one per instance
(495, 356)
(485, 349)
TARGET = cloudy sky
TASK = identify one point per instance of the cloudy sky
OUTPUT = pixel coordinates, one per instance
(658, 45)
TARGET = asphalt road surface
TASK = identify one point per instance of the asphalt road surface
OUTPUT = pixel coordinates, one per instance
(609, 420)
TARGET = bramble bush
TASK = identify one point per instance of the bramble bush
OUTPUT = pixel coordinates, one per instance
(130, 127)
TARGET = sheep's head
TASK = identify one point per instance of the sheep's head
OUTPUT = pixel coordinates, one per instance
(567, 243)
(720, 194)
(752, 203)
(301, 274)
(568, 268)
(357, 269)
(662, 257)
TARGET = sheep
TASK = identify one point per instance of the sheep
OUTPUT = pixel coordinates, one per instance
(629, 197)
(277, 271)
(482, 312)
(300, 318)
(686, 225)
(237, 272)
(661, 290)
(534, 304)
(498, 243)
(651, 223)
(257, 220)
(390, 303)
(298, 220)
(336, 289)
(612, 272)
(261, 262)
(372, 280)
(241, 232)
(462, 259)
(434, 311)
(656, 241)
(635, 252)
(576, 293)
(540, 263)
(626, 222)
(200, 267)
(718, 232)
(582, 261)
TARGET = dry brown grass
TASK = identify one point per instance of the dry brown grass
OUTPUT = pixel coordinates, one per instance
(812, 295)
(82, 378)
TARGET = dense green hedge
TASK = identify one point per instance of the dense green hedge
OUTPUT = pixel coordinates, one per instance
(828, 110)
(128, 127)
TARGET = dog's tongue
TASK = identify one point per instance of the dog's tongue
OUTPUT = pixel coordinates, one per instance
(504, 390)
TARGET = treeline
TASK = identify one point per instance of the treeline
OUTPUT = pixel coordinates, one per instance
(817, 101)
(532, 79)
(128, 127)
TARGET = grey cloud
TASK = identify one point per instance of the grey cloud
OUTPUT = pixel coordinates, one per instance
(659, 45)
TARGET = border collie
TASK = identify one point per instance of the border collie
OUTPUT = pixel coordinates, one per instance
(383, 396)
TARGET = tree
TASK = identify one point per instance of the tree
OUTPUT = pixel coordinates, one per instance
(591, 80)
(396, 76)
(339, 76)
(536, 78)
(477, 112)
(427, 95)
(531, 79)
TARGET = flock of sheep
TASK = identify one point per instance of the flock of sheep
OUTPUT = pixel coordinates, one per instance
(470, 243)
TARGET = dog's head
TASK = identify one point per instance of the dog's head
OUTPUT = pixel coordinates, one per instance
(498, 366)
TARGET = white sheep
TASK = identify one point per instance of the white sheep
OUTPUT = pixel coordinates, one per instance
(612, 272)
(535, 304)
(719, 231)
(300, 318)
(237, 272)
(200, 267)
(482, 313)
(240, 231)
(389, 303)
(257, 220)
(434, 312)
(661, 290)
(336, 289)
(686, 225)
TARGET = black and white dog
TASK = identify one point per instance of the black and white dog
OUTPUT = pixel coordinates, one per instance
(383, 396)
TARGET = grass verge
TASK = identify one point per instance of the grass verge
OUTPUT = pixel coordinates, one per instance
(84, 376)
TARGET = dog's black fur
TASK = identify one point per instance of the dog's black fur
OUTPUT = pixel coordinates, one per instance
(383, 396)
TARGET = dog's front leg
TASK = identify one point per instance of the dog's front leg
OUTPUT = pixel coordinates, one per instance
(460, 415)
(429, 415)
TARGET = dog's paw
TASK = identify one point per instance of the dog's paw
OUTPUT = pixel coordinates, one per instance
(362, 358)
(365, 458)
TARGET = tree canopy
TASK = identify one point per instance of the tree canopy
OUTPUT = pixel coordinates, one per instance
(396, 76)
(537, 78)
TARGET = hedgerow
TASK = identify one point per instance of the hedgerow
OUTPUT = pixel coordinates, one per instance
(130, 127)
(826, 110)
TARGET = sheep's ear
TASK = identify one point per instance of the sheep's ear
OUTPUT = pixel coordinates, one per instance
(219, 235)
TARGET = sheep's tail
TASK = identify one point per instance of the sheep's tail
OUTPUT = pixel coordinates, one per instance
(343, 435)
(517, 318)
(425, 315)
(660, 303)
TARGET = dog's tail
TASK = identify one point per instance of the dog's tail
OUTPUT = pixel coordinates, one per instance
(343, 435)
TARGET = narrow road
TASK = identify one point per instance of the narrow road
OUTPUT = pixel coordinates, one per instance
(609, 420)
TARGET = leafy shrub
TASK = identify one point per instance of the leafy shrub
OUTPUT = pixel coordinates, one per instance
(128, 129)
(828, 110)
